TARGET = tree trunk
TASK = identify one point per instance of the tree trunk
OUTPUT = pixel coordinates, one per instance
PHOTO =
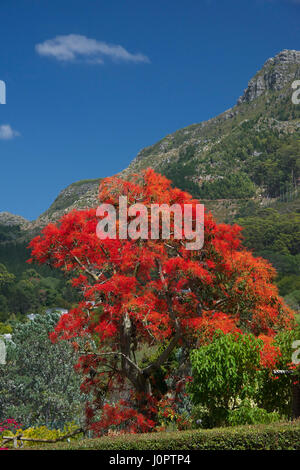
(135, 375)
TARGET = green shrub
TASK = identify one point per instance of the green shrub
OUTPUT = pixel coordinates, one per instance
(38, 383)
(274, 393)
(224, 372)
(5, 329)
(248, 414)
(200, 417)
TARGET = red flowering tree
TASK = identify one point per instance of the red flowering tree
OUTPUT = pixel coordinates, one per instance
(153, 293)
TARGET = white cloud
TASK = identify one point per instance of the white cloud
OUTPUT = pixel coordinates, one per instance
(74, 46)
(7, 133)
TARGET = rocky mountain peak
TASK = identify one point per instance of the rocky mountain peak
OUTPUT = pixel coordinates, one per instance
(10, 220)
(275, 74)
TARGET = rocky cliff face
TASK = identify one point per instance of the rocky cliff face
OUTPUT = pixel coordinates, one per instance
(264, 108)
(10, 220)
(78, 195)
(276, 73)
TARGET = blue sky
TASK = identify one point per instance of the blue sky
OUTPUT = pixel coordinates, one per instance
(91, 82)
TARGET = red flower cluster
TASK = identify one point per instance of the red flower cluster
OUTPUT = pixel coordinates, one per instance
(270, 353)
(8, 424)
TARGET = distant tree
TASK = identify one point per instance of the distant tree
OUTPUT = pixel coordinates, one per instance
(3, 308)
(5, 329)
(6, 278)
(38, 384)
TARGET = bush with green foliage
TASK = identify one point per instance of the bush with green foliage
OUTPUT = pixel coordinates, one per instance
(38, 384)
(5, 329)
(274, 393)
(246, 413)
(224, 372)
(228, 371)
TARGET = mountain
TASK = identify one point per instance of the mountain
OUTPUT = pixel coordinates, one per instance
(10, 220)
(12, 226)
(244, 165)
(77, 195)
(250, 151)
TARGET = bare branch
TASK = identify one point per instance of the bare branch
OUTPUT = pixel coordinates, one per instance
(163, 357)
(118, 354)
(90, 273)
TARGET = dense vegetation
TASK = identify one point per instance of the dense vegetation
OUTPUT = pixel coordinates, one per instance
(9, 233)
(275, 235)
(243, 164)
(25, 289)
(38, 384)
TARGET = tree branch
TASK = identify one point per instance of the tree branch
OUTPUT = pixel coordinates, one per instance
(164, 355)
(117, 354)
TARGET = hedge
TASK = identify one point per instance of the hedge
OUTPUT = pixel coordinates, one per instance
(279, 436)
